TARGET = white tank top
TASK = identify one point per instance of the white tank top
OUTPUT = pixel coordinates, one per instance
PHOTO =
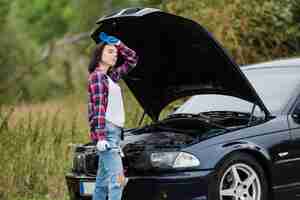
(115, 109)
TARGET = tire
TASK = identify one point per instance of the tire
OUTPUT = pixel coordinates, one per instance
(229, 180)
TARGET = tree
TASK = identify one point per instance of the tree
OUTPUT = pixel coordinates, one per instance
(42, 19)
(16, 50)
(253, 31)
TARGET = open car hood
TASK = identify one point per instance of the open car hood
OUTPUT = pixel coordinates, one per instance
(177, 58)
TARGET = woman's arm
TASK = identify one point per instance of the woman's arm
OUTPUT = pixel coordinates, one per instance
(98, 89)
(130, 62)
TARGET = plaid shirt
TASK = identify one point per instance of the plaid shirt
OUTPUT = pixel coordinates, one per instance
(98, 91)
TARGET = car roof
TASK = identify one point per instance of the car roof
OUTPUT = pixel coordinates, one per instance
(280, 63)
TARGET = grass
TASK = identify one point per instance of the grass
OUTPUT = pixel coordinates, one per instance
(35, 151)
(36, 144)
(36, 147)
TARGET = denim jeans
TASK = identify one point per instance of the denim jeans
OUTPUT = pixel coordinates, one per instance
(110, 179)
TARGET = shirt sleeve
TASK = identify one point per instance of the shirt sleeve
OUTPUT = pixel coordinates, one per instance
(99, 95)
(130, 61)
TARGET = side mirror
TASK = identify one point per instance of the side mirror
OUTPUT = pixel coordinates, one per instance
(296, 114)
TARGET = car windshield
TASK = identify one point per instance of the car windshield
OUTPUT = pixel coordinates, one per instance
(274, 86)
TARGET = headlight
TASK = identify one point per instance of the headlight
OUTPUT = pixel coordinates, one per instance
(167, 160)
(78, 163)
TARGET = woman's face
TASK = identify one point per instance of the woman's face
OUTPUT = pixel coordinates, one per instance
(109, 55)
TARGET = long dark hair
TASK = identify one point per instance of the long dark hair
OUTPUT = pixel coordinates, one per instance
(96, 56)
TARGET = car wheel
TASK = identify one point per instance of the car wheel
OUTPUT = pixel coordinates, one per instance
(239, 177)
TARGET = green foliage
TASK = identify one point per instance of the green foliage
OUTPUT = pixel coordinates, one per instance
(35, 149)
(296, 10)
(84, 21)
(42, 19)
(27, 28)
(153, 3)
(16, 51)
(253, 30)
(269, 26)
(87, 12)
(4, 10)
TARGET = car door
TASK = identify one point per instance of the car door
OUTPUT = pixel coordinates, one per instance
(294, 123)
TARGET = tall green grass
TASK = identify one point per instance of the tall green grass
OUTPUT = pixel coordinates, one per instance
(35, 151)
(36, 143)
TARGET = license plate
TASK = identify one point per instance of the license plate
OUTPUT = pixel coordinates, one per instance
(87, 188)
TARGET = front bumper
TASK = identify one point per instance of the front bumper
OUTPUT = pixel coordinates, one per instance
(180, 185)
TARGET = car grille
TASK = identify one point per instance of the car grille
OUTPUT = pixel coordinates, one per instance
(86, 159)
(91, 164)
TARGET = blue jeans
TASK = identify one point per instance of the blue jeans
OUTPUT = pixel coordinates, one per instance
(110, 179)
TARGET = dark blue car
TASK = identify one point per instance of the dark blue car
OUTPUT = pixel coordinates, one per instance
(237, 137)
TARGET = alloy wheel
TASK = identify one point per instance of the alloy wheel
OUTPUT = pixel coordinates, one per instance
(240, 182)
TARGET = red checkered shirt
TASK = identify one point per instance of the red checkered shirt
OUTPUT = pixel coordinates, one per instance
(98, 91)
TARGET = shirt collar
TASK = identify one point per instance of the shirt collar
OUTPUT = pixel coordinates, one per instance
(99, 69)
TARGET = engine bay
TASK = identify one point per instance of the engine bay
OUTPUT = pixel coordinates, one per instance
(171, 134)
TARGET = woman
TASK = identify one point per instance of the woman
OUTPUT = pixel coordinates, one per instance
(106, 113)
